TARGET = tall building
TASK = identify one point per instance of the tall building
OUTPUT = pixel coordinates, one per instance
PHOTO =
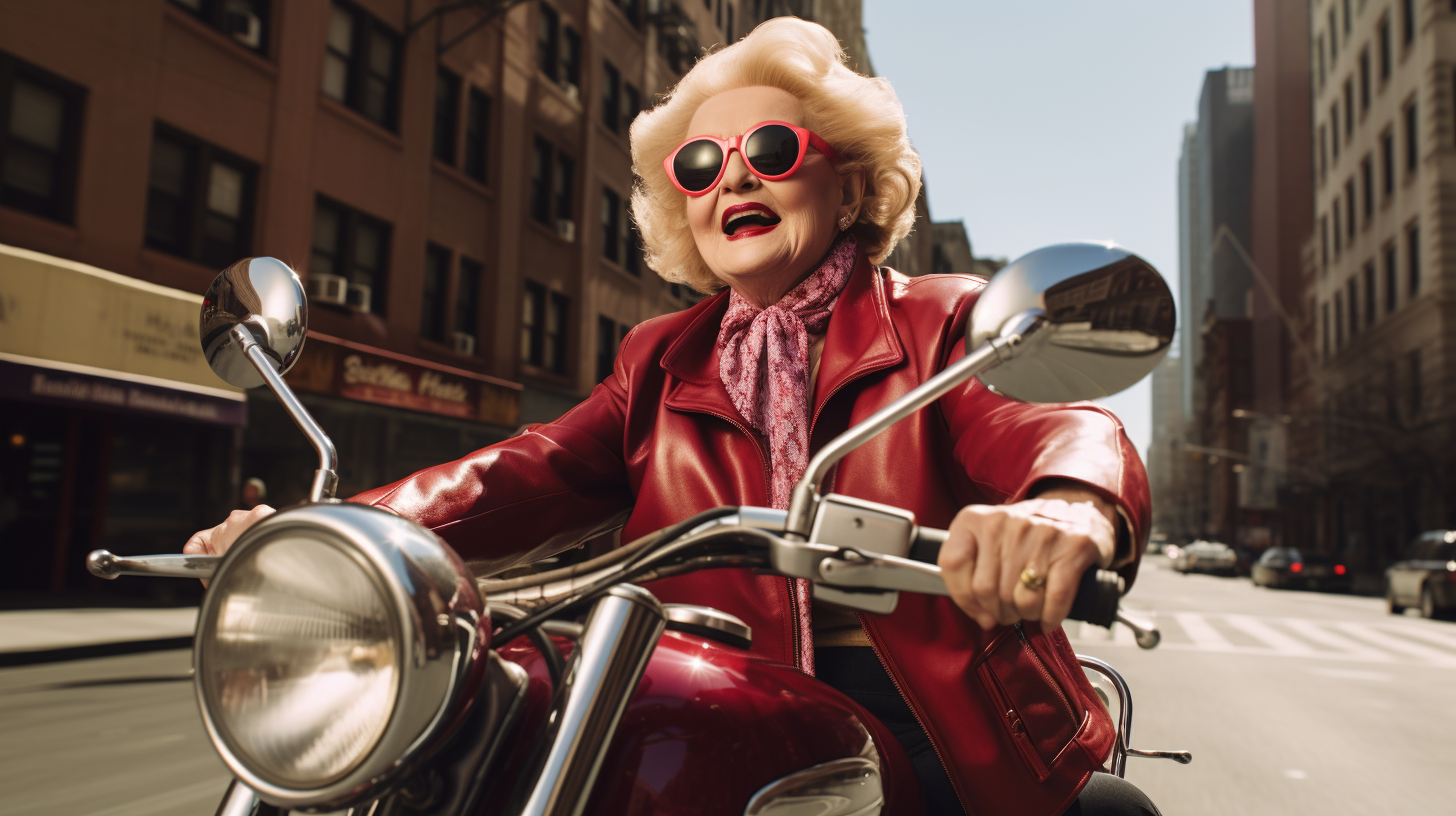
(1385, 180)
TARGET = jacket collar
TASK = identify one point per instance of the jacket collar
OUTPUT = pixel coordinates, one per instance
(860, 339)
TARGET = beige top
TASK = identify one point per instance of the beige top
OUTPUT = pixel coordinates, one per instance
(832, 625)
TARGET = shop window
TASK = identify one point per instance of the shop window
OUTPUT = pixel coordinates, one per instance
(199, 200)
(245, 21)
(611, 97)
(354, 248)
(544, 320)
(610, 335)
(40, 141)
(447, 120)
(361, 64)
(432, 301)
(467, 303)
(477, 130)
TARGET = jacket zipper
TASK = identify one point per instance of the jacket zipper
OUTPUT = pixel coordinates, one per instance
(1046, 675)
(794, 612)
(919, 720)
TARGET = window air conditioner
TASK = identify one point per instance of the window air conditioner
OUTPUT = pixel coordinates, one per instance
(572, 92)
(463, 343)
(359, 296)
(566, 228)
(245, 27)
(325, 288)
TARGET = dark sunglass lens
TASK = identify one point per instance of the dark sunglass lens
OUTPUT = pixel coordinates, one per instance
(772, 150)
(697, 164)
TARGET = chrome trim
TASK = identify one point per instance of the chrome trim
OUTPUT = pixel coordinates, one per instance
(439, 618)
(1180, 757)
(621, 633)
(239, 800)
(719, 625)
(108, 565)
(841, 787)
(326, 477)
(1118, 766)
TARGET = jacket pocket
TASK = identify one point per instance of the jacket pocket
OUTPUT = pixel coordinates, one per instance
(1035, 710)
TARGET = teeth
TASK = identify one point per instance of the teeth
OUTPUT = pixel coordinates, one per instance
(747, 213)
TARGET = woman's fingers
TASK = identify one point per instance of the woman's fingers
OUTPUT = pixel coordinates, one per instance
(958, 557)
(217, 540)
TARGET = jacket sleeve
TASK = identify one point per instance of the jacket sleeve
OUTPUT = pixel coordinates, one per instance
(1008, 447)
(532, 495)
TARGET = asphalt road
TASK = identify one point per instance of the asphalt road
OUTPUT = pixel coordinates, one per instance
(1291, 702)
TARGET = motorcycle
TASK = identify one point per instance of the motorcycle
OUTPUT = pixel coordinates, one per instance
(346, 659)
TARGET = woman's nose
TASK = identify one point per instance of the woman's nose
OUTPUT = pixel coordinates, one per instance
(737, 176)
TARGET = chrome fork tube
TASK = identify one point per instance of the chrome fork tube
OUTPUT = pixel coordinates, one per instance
(620, 633)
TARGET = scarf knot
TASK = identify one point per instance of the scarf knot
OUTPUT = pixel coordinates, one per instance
(763, 362)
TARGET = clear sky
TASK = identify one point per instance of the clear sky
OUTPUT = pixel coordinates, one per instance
(1042, 121)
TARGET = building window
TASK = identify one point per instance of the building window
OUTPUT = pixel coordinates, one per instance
(1390, 278)
(1413, 259)
(611, 225)
(1387, 161)
(541, 154)
(1323, 155)
(610, 335)
(570, 62)
(548, 28)
(467, 301)
(1408, 21)
(1350, 288)
(1350, 210)
(1325, 327)
(631, 102)
(1412, 157)
(354, 246)
(543, 328)
(199, 200)
(1339, 320)
(1365, 80)
(1324, 241)
(611, 97)
(1416, 395)
(552, 182)
(1335, 217)
(1334, 39)
(1367, 184)
(1335, 132)
(245, 21)
(361, 64)
(1319, 49)
(634, 261)
(563, 186)
(629, 10)
(1370, 305)
(1349, 108)
(40, 142)
(1385, 48)
(432, 302)
(1346, 9)
(477, 133)
(447, 107)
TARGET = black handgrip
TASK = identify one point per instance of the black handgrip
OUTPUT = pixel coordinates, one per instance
(1097, 593)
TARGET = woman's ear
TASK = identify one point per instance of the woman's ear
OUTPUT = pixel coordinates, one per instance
(852, 193)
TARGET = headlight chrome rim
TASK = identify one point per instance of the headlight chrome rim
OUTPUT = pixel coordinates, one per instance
(439, 628)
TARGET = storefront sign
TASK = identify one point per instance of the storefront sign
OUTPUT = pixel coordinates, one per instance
(354, 371)
(75, 386)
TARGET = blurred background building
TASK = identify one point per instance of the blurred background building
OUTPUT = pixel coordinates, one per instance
(450, 179)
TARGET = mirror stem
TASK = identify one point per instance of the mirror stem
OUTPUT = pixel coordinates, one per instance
(326, 478)
(990, 354)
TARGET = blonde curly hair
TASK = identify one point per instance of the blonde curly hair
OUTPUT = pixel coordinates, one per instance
(859, 116)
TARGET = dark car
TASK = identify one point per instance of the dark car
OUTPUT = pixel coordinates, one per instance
(1288, 567)
(1426, 577)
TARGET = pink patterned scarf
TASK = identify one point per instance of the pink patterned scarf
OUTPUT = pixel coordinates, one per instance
(763, 361)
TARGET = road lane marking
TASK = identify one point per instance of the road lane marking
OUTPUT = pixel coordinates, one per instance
(1421, 632)
(1204, 636)
(1350, 674)
(1355, 650)
(1274, 639)
(1371, 635)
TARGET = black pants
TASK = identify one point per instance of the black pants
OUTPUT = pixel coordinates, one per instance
(857, 673)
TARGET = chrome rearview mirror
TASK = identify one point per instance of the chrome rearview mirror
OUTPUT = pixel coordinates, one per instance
(264, 296)
(1059, 324)
(1105, 319)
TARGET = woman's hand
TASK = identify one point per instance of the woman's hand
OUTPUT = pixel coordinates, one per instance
(1054, 538)
(217, 540)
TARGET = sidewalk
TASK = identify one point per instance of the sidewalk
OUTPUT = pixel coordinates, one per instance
(48, 635)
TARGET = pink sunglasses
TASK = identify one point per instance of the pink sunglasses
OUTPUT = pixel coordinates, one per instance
(772, 151)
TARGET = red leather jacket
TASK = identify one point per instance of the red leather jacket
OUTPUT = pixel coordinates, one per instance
(1013, 719)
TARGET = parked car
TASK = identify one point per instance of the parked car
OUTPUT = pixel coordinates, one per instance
(1211, 557)
(1426, 577)
(1288, 567)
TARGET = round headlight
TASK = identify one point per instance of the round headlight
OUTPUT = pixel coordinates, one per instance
(301, 661)
(335, 646)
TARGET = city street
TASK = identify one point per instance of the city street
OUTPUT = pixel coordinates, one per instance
(1291, 702)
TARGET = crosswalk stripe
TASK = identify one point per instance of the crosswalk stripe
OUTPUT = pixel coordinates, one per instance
(1202, 632)
(1422, 633)
(1395, 644)
(1276, 640)
(1318, 634)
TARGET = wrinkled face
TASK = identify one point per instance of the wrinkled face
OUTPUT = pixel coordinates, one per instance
(789, 224)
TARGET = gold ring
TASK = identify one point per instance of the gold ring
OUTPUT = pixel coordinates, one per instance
(1031, 579)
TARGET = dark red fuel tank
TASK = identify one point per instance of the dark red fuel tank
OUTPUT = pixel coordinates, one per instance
(711, 724)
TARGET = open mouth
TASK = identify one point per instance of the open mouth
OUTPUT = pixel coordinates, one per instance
(747, 217)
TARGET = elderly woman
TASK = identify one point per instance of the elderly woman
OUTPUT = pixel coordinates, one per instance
(777, 177)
